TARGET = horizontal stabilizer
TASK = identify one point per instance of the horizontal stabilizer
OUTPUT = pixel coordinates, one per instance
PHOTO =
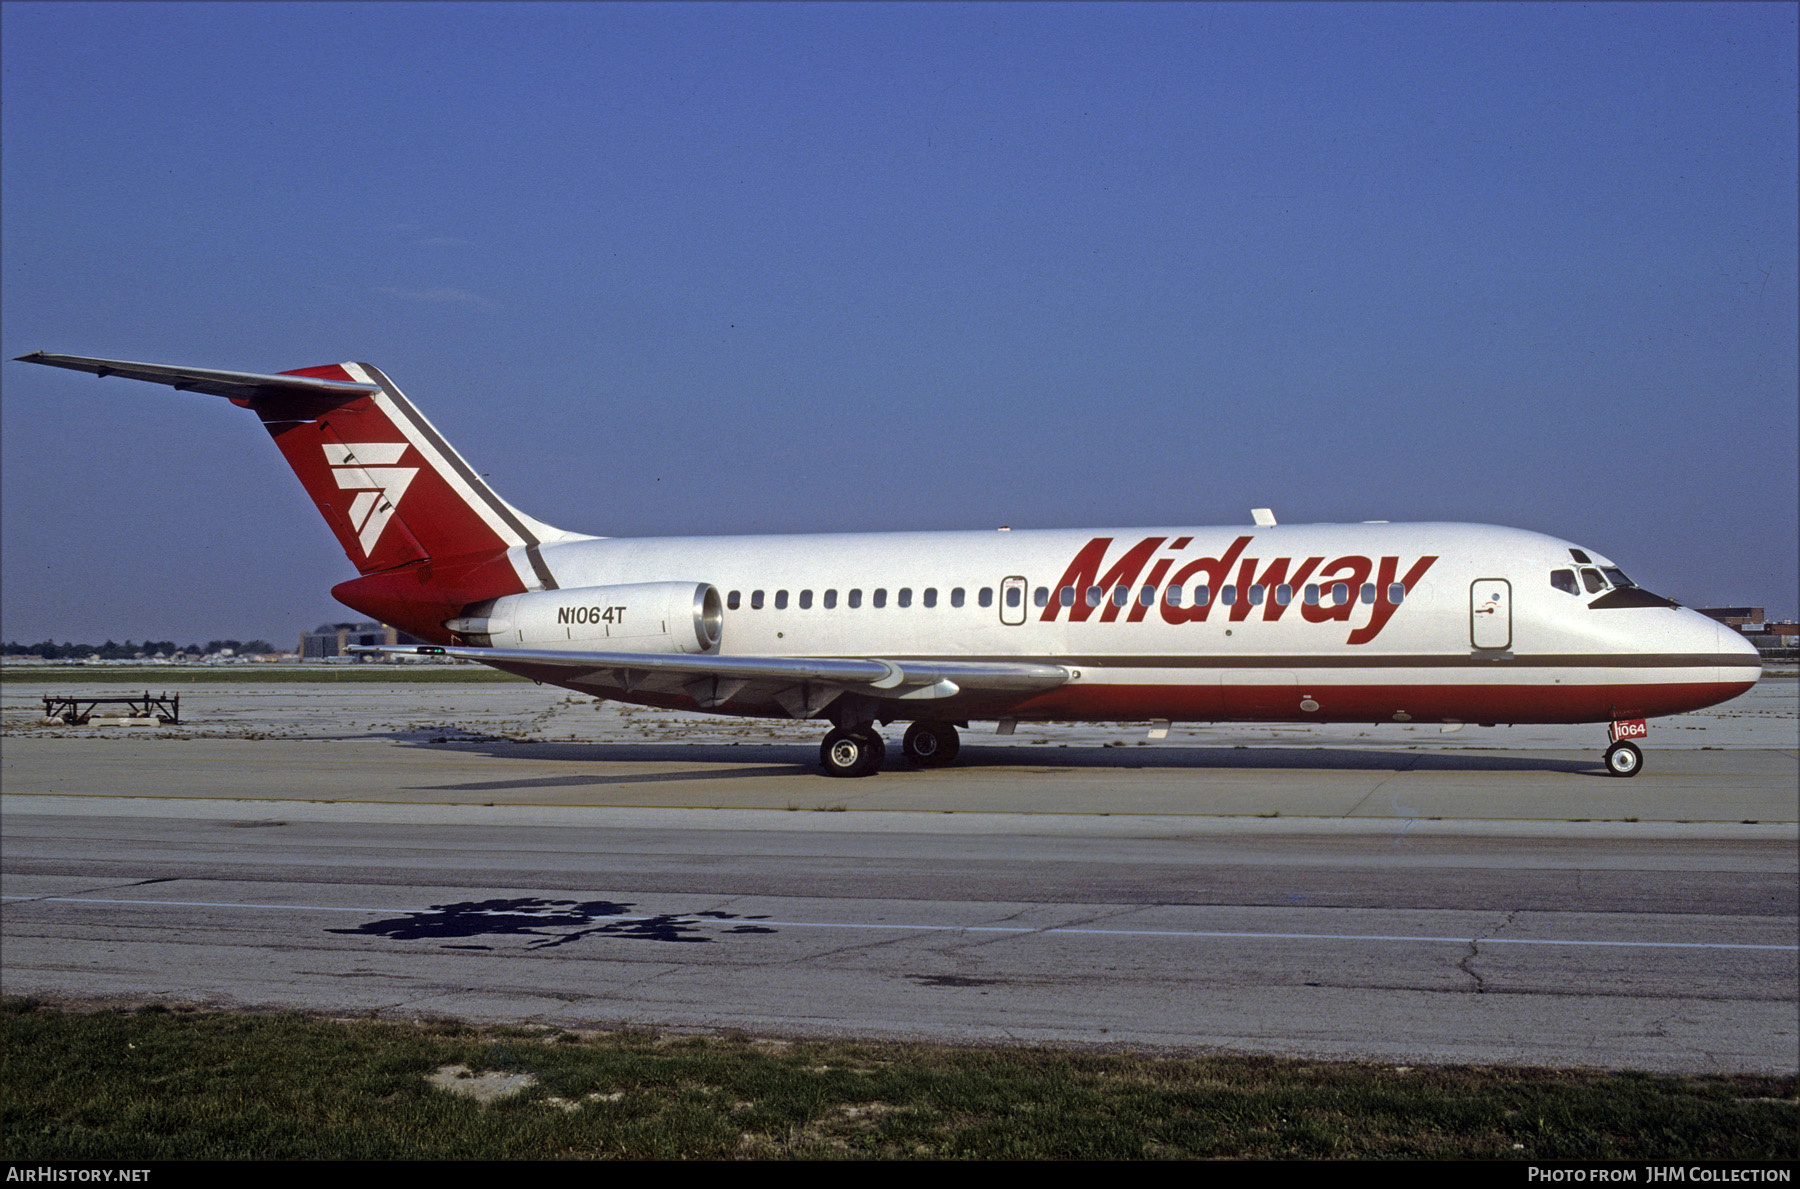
(392, 490)
(244, 386)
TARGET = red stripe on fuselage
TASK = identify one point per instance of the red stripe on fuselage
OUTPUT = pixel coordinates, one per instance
(1512, 704)
(1370, 703)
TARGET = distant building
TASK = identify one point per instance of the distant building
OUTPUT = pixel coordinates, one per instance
(1735, 617)
(335, 639)
(1777, 641)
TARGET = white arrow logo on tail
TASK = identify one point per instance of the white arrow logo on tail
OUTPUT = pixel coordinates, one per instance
(366, 468)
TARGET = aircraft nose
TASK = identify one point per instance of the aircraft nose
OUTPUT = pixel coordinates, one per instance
(1732, 647)
(1740, 664)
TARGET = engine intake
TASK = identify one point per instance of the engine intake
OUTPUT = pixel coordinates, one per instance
(684, 617)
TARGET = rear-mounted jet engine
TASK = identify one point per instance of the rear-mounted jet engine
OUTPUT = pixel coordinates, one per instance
(683, 617)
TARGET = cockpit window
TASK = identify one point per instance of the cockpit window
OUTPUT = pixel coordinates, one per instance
(1616, 576)
(1581, 557)
(1564, 580)
(1592, 579)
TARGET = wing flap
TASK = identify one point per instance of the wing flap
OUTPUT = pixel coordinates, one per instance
(881, 678)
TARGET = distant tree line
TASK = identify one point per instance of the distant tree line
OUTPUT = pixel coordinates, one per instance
(50, 650)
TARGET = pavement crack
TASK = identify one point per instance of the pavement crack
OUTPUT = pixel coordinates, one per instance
(110, 887)
(1091, 918)
(652, 975)
(1480, 987)
(853, 947)
(1412, 762)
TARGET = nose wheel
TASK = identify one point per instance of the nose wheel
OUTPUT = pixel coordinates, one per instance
(1624, 759)
(852, 753)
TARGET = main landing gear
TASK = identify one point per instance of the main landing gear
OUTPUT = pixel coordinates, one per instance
(931, 744)
(854, 752)
(859, 751)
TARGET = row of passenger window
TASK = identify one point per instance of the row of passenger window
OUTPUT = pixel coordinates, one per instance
(1336, 595)
(878, 598)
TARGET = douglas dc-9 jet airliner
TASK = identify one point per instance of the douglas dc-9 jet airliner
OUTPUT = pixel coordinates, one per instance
(1367, 623)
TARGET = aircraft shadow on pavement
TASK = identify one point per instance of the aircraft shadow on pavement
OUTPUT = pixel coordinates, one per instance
(547, 923)
(728, 761)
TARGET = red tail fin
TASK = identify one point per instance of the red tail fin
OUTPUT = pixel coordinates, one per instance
(389, 485)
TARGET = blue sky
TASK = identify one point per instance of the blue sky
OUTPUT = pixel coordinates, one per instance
(692, 268)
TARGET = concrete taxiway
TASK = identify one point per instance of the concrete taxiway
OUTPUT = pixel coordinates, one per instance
(1416, 904)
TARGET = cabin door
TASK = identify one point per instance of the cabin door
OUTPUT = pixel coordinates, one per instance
(1490, 613)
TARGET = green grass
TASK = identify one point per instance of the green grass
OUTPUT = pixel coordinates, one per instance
(159, 1084)
(160, 677)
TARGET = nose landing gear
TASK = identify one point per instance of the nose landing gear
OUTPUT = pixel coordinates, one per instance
(1624, 759)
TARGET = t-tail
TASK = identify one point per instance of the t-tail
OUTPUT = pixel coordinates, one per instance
(425, 532)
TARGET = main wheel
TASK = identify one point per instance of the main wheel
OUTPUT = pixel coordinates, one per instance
(1624, 759)
(851, 753)
(931, 744)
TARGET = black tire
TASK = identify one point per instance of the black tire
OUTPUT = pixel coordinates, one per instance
(931, 744)
(851, 753)
(1624, 759)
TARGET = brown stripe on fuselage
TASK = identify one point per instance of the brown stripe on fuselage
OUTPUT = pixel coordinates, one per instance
(1670, 660)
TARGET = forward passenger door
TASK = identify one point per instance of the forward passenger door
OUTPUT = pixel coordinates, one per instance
(1490, 613)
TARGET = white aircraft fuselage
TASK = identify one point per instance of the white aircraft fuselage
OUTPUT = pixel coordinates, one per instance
(1374, 622)
(1436, 654)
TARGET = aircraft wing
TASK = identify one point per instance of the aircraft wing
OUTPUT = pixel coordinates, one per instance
(796, 683)
(243, 386)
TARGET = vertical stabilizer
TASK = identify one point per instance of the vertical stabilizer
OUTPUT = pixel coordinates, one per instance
(389, 485)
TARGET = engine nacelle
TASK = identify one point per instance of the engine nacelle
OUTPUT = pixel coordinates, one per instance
(634, 617)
